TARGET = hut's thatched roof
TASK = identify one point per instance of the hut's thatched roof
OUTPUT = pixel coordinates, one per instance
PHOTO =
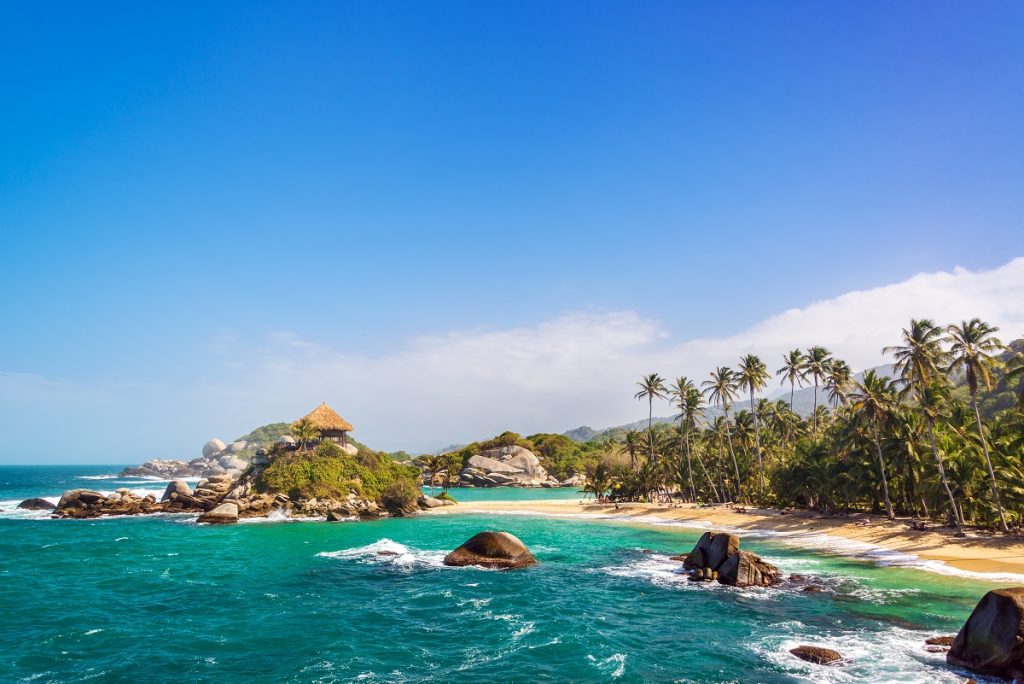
(323, 417)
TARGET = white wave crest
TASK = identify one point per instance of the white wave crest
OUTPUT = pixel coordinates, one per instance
(391, 553)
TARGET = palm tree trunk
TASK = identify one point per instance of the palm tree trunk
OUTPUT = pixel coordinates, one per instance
(710, 480)
(650, 425)
(945, 483)
(757, 443)
(881, 470)
(732, 452)
(792, 389)
(689, 463)
(988, 462)
(814, 413)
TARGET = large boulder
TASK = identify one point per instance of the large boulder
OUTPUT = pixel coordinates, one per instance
(79, 496)
(36, 504)
(235, 447)
(223, 514)
(712, 550)
(746, 569)
(506, 465)
(212, 448)
(492, 550)
(177, 488)
(991, 642)
(818, 655)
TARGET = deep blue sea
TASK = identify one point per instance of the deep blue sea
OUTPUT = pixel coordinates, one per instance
(161, 599)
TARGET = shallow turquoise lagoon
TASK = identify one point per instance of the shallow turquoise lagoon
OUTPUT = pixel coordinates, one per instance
(160, 599)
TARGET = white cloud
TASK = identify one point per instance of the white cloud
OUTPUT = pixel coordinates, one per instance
(572, 370)
(581, 368)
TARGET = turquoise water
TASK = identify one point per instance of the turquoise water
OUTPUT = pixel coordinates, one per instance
(160, 599)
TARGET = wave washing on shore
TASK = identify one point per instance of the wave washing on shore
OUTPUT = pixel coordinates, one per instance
(373, 602)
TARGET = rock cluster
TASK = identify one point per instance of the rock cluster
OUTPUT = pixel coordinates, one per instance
(85, 503)
(217, 459)
(499, 550)
(717, 556)
(36, 504)
(991, 642)
(505, 466)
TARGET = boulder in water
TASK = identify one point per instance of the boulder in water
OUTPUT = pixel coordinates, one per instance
(492, 550)
(36, 504)
(817, 654)
(177, 488)
(225, 513)
(991, 642)
(746, 569)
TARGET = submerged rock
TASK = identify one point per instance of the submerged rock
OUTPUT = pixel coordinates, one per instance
(818, 655)
(37, 504)
(492, 550)
(991, 642)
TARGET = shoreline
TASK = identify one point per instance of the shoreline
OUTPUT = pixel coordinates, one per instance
(874, 538)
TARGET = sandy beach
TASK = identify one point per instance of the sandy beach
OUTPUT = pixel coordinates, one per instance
(857, 534)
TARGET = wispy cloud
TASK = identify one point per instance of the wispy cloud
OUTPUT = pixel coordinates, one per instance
(579, 368)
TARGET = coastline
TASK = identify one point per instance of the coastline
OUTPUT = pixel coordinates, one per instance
(984, 557)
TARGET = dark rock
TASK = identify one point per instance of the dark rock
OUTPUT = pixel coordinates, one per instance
(812, 588)
(940, 640)
(817, 654)
(492, 550)
(36, 505)
(991, 642)
(335, 516)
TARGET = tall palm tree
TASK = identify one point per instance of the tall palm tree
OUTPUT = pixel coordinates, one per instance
(792, 371)
(838, 379)
(722, 391)
(816, 366)
(919, 361)
(753, 375)
(633, 441)
(972, 349)
(682, 392)
(874, 398)
(651, 387)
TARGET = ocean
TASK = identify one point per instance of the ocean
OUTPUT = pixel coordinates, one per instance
(161, 599)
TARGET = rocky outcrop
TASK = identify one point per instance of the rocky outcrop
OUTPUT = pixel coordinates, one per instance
(223, 514)
(991, 642)
(511, 466)
(85, 503)
(817, 654)
(499, 550)
(36, 504)
(427, 502)
(717, 556)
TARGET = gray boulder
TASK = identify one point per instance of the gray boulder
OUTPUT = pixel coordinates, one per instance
(225, 513)
(178, 488)
(746, 569)
(235, 447)
(991, 642)
(212, 448)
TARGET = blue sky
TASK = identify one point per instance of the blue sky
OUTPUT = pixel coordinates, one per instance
(196, 199)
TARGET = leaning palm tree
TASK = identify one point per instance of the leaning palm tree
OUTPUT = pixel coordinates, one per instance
(973, 345)
(874, 397)
(305, 432)
(919, 363)
(651, 387)
(753, 375)
(838, 379)
(722, 391)
(682, 391)
(816, 366)
(792, 371)
(633, 441)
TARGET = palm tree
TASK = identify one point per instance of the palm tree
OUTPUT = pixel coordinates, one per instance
(816, 366)
(651, 387)
(792, 371)
(599, 481)
(682, 392)
(753, 375)
(632, 442)
(918, 363)
(874, 398)
(837, 381)
(973, 345)
(305, 432)
(721, 390)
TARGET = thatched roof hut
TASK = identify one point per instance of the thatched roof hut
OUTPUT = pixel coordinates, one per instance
(330, 424)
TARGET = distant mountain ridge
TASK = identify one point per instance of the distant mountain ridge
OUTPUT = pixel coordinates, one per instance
(803, 404)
